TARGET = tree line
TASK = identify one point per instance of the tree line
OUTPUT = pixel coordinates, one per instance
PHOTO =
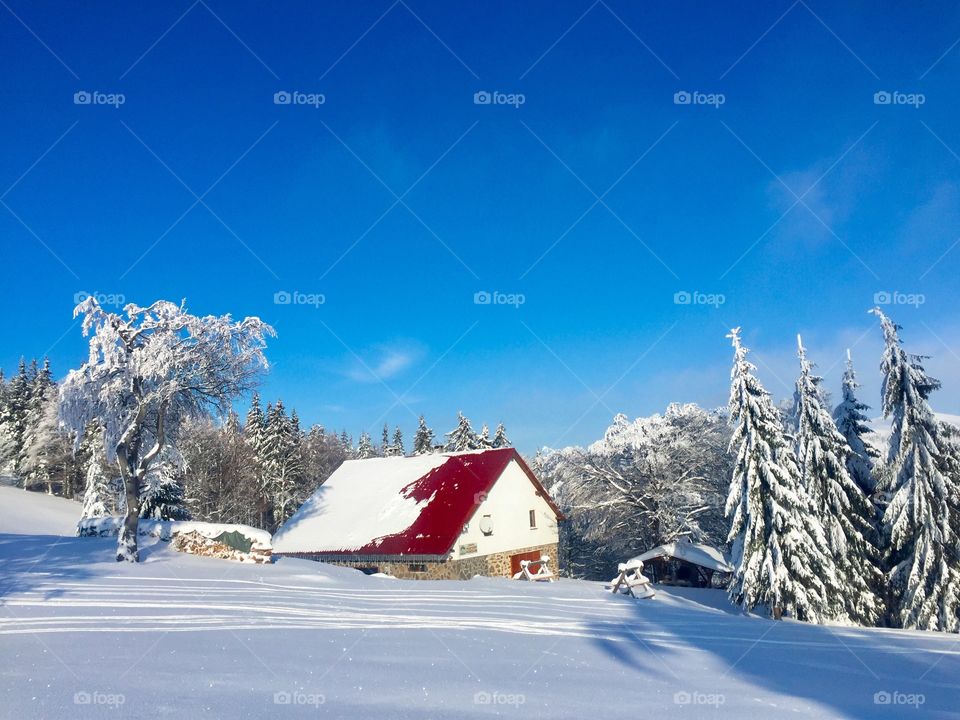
(255, 472)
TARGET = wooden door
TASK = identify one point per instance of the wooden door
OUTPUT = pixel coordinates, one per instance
(515, 560)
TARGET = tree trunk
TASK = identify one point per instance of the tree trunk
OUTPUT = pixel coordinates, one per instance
(127, 537)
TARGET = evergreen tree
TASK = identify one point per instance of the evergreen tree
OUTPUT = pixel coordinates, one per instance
(15, 420)
(920, 522)
(779, 549)
(41, 435)
(842, 507)
(161, 495)
(500, 439)
(423, 440)
(283, 464)
(385, 442)
(397, 449)
(97, 497)
(852, 423)
(254, 431)
(483, 439)
(462, 437)
(365, 449)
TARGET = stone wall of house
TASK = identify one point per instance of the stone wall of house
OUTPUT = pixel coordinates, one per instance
(495, 565)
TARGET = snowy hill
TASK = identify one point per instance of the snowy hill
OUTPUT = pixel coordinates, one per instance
(184, 636)
(35, 513)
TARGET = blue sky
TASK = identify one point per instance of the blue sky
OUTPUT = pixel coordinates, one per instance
(397, 199)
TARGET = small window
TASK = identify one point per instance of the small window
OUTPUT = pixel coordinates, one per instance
(533, 518)
(417, 568)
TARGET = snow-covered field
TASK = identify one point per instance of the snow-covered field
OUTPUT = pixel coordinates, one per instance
(189, 637)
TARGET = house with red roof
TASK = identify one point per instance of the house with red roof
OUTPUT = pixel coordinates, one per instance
(441, 516)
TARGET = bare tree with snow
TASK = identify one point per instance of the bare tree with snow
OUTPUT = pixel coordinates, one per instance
(149, 370)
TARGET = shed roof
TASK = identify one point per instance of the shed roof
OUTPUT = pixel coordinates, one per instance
(703, 555)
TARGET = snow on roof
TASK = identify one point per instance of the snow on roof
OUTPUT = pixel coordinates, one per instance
(702, 555)
(396, 505)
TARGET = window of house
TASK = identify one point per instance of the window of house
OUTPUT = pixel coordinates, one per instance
(417, 568)
(533, 518)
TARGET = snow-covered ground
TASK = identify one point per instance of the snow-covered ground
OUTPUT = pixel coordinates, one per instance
(189, 637)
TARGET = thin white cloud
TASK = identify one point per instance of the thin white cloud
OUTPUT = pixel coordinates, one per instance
(381, 364)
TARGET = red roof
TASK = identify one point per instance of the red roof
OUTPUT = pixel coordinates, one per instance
(452, 492)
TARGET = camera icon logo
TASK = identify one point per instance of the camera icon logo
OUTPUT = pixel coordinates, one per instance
(482, 298)
(682, 98)
(282, 98)
(482, 97)
(682, 298)
(282, 698)
(881, 298)
(82, 698)
(82, 97)
(882, 698)
(282, 297)
(882, 97)
(482, 698)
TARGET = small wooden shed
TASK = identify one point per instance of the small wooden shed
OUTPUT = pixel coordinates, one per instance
(684, 563)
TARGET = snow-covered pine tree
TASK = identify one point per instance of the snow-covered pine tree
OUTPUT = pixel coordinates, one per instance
(253, 427)
(423, 440)
(396, 447)
(500, 439)
(254, 433)
(385, 441)
(462, 437)
(851, 421)
(98, 495)
(283, 465)
(778, 546)
(15, 420)
(365, 447)
(161, 493)
(920, 522)
(483, 439)
(41, 431)
(842, 507)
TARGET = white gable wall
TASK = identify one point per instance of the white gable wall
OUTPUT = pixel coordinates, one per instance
(508, 504)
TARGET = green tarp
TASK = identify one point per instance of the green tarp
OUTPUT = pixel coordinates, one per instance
(236, 540)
